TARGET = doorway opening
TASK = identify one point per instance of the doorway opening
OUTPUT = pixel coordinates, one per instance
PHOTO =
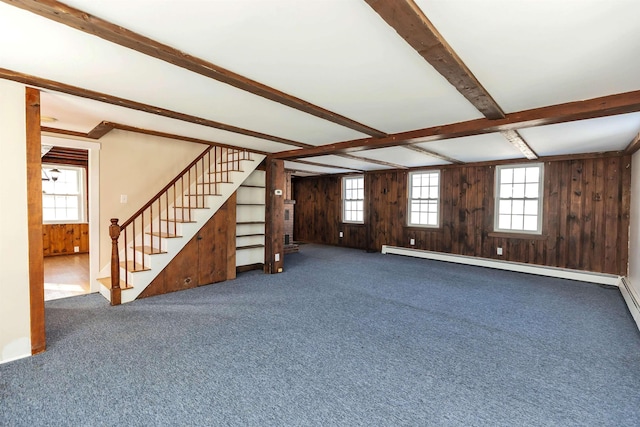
(69, 184)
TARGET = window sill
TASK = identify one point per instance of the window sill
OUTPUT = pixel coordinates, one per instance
(523, 236)
(357, 224)
(422, 228)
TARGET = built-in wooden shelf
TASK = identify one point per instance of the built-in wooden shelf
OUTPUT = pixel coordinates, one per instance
(250, 204)
(252, 186)
(249, 222)
(250, 235)
(239, 248)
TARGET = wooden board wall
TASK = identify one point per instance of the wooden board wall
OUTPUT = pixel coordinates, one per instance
(60, 239)
(209, 257)
(585, 220)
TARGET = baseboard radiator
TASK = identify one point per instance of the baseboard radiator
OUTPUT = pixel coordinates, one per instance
(631, 298)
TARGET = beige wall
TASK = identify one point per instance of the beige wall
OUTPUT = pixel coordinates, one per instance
(634, 231)
(138, 166)
(15, 327)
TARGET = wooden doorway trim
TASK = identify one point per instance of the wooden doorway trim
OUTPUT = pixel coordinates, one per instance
(34, 209)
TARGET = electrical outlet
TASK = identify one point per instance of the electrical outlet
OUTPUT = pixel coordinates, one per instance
(412, 242)
(76, 249)
(123, 198)
(341, 234)
(499, 251)
(277, 257)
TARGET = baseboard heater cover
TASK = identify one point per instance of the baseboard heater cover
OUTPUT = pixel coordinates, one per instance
(631, 298)
(562, 273)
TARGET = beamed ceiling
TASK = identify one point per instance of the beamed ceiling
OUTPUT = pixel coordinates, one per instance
(335, 86)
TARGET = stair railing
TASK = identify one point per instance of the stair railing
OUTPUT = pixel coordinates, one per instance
(160, 216)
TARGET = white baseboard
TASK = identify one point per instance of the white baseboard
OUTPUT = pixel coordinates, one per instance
(631, 298)
(563, 273)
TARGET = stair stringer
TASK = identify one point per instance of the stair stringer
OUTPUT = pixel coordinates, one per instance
(157, 262)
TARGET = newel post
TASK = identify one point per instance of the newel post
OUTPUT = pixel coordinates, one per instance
(114, 233)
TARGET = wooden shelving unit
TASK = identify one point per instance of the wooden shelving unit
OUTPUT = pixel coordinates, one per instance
(250, 222)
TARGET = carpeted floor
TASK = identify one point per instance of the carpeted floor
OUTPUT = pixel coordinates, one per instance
(341, 338)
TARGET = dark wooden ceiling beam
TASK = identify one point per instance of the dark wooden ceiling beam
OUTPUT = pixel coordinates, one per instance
(633, 146)
(134, 105)
(100, 130)
(93, 25)
(412, 25)
(514, 137)
(622, 103)
(324, 165)
(370, 160)
(433, 154)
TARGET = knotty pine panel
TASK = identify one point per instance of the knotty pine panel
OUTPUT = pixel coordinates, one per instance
(585, 214)
(60, 239)
(207, 258)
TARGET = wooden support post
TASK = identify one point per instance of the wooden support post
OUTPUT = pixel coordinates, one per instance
(34, 208)
(274, 217)
(114, 233)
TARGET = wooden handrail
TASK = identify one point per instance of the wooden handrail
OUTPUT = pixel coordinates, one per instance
(167, 187)
(143, 232)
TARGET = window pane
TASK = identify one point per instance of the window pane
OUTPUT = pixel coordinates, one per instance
(506, 191)
(532, 191)
(517, 222)
(530, 223)
(531, 207)
(518, 190)
(504, 207)
(504, 221)
(533, 174)
(506, 176)
(518, 207)
(518, 175)
(433, 219)
(433, 193)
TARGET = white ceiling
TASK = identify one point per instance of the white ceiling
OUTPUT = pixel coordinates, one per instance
(340, 55)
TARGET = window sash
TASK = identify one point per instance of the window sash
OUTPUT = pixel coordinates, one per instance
(353, 199)
(64, 201)
(519, 192)
(424, 199)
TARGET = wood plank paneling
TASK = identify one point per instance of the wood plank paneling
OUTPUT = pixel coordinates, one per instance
(60, 239)
(205, 259)
(585, 220)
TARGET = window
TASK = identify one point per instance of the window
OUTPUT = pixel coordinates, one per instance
(353, 199)
(424, 198)
(63, 200)
(519, 201)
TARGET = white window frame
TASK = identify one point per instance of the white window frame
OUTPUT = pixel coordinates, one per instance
(346, 201)
(81, 195)
(424, 199)
(525, 197)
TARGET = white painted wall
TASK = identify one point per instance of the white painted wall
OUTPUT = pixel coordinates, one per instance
(634, 232)
(138, 166)
(15, 324)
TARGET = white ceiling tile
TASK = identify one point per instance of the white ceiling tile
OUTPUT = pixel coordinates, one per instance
(585, 136)
(534, 53)
(477, 148)
(401, 156)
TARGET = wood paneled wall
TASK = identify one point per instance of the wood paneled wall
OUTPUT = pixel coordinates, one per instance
(585, 219)
(60, 239)
(209, 257)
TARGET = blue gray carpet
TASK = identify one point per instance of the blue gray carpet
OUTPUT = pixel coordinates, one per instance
(342, 338)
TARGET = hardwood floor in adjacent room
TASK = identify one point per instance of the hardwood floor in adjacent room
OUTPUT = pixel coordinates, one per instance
(66, 276)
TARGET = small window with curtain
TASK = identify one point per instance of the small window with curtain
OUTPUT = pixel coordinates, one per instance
(353, 199)
(519, 198)
(424, 199)
(63, 194)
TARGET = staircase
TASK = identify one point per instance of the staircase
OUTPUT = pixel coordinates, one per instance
(145, 243)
